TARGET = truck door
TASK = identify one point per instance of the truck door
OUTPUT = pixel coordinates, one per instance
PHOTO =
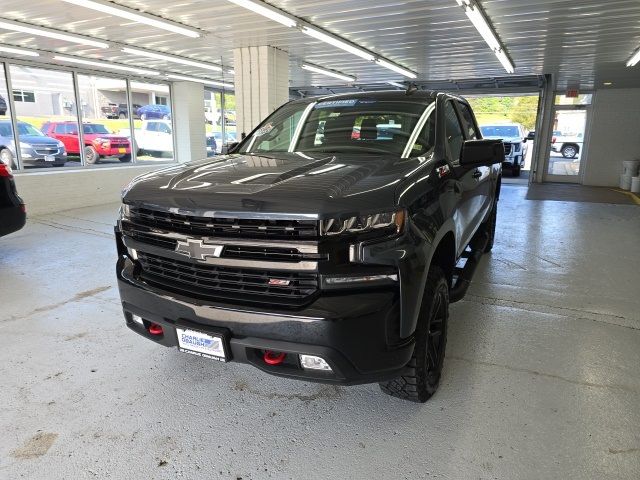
(484, 187)
(466, 179)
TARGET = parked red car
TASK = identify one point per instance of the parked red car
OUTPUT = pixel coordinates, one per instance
(97, 140)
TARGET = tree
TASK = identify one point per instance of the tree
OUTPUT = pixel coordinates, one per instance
(525, 112)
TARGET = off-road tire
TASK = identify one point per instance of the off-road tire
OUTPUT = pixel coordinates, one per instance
(422, 374)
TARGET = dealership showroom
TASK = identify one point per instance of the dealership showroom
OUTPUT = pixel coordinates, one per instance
(341, 239)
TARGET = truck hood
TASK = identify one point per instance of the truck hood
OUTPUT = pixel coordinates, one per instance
(320, 185)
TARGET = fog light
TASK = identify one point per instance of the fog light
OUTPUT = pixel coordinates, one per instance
(137, 319)
(361, 279)
(311, 362)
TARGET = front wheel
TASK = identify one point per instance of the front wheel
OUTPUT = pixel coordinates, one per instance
(125, 158)
(422, 376)
(91, 155)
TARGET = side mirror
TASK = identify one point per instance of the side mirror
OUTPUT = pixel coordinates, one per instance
(531, 136)
(228, 148)
(482, 152)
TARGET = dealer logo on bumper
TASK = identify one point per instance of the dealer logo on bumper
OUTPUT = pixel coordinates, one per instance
(197, 249)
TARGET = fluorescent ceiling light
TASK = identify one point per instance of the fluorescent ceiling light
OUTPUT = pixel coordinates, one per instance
(200, 80)
(171, 58)
(110, 66)
(395, 68)
(504, 60)
(19, 51)
(329, 73)
(336, 42)
(49, 33)
(477, 17)
(266, 11)
(482, 26)
(130, 14)
(635, 58)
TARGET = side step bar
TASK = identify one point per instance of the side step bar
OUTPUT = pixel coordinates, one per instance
(462, 276)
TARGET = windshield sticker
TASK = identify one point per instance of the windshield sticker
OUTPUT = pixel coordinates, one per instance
(336, 103)
(264, 130)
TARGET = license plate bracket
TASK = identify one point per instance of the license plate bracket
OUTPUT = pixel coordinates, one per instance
(210, 343)
(49, 158)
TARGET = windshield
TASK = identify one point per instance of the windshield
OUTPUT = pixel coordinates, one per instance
(94, 128)
(346, 125)
(23, 129)
(501, 131)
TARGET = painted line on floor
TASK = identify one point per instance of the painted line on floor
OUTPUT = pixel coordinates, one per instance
(634, 198)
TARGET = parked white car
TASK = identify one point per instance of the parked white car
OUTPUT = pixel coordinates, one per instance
(154, 137)
(569, 145)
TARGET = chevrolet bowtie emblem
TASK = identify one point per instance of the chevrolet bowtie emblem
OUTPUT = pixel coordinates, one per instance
(198, 250)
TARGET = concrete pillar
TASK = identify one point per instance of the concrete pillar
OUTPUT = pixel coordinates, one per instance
(261, 84)
(188, 114)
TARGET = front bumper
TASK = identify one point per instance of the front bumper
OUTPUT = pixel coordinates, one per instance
(32, 158)
(113, 152)
(355, 333)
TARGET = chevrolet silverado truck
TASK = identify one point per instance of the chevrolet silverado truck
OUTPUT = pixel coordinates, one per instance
(312, 254)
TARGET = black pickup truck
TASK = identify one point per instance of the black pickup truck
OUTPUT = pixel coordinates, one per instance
(324, 247)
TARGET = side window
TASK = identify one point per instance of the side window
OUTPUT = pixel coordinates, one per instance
(453, 131)
(152, 126)
(163, 128)
(472, 133)
(60, 128)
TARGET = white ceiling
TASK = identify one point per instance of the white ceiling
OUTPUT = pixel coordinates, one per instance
(583, 42)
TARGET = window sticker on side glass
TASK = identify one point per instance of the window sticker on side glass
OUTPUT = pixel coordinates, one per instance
(264, 130)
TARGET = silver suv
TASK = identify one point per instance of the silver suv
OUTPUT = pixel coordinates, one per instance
(36, 148)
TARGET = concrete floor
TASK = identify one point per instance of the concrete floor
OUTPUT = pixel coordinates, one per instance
(541, 379)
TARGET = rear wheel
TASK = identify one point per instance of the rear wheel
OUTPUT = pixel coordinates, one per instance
(488, 228)
(422, 376)
(91, 155)
(125, 158)
(569, 151)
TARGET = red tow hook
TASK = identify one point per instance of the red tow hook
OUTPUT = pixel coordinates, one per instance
(273, 358)
(155, 329)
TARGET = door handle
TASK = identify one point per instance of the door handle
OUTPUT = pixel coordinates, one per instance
(477, 174)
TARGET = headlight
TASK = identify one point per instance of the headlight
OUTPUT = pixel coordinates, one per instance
(125, 211)
(25, 145)
(391, 221)
(60, 144)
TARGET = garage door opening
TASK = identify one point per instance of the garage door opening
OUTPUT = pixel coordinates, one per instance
(511, 118)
